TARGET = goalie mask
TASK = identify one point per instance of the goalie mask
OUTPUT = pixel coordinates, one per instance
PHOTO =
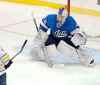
(62, 15)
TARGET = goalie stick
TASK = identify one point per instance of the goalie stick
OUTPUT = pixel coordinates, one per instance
(42, 46)
(10, 61)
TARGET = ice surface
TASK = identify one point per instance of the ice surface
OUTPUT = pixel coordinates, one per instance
(16, 25)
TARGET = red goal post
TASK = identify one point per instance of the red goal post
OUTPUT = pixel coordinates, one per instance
(68, 7)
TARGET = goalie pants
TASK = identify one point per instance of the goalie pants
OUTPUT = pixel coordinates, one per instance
(54, 40)
(3, 79)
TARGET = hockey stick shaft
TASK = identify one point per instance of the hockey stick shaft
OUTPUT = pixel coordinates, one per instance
(34, 20)
(10, 61)
(20, 50)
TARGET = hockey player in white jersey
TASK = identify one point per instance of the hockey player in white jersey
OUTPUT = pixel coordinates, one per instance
(56, 29)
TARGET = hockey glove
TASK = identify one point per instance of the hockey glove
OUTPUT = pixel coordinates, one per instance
(5, 61)
(79, 39)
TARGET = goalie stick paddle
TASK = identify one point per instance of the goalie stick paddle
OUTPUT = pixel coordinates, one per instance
(10, 62)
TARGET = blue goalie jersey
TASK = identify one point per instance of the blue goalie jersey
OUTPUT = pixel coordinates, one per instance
(58, 30)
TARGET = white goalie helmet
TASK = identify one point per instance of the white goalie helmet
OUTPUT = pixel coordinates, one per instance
(62, 14)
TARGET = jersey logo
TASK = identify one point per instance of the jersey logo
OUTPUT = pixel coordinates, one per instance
(59, 33)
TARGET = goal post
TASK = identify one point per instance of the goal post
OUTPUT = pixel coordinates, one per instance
(68, 7)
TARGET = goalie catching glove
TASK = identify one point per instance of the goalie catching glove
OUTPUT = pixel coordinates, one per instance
(79, 39)
(5, 61)
(86, 58)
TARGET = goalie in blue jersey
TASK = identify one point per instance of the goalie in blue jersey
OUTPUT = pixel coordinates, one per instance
(55, 28)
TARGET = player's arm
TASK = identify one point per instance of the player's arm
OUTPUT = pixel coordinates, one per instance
(43, 25)
(44, 29)
(78, 37)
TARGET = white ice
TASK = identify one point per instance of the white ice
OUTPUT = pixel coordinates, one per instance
(16, 25)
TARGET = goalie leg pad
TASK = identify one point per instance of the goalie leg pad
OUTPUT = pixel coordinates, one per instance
(55, 56)
(86, 57)
(66, 49)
